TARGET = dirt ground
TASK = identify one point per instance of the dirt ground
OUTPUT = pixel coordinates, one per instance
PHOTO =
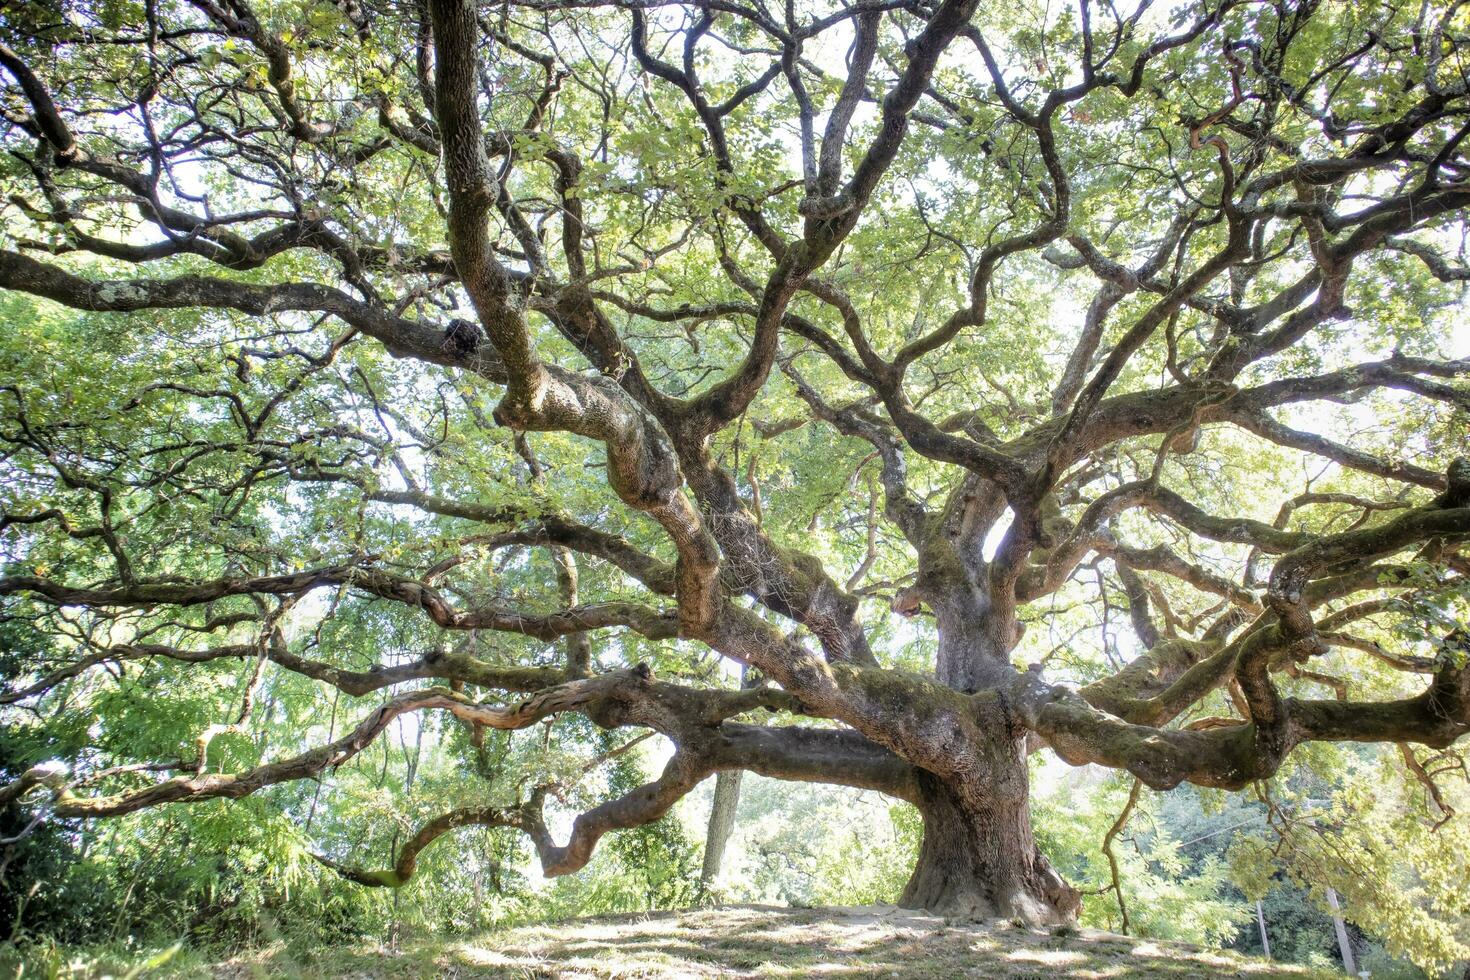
(762, 942)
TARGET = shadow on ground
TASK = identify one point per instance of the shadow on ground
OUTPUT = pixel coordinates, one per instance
(761, 942)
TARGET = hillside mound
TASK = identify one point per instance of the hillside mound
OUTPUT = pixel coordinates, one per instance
(766, 942)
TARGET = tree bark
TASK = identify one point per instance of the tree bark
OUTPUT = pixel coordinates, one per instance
(978, 858)
(721, 824)
(722, 811)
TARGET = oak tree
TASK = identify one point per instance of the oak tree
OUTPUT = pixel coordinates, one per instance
(554, 352)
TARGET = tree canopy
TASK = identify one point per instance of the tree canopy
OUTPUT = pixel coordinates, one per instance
(985, 380)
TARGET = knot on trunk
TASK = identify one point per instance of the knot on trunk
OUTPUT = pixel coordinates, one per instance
(1457, 485)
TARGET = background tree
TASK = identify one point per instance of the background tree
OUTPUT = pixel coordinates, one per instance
(500, 363)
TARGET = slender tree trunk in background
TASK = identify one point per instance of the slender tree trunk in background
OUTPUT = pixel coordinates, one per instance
(721, 825)
(397, 898)
(1261, 923)
(411, 761)
(1349, 964)
(721, 815)
(478, 889)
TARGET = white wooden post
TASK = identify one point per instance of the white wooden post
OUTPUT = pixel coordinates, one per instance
(1348, 964)
(1261, 922)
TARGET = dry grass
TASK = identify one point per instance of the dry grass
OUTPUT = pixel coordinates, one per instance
(760, 942)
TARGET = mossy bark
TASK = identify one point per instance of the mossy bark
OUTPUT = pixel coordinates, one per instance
(979, 859)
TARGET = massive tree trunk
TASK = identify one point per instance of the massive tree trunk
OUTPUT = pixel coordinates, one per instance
(979, 858)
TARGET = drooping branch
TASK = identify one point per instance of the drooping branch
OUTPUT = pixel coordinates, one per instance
(204, 785)
(455, 665)
(419, 339)
(654, 623)
(820, 755)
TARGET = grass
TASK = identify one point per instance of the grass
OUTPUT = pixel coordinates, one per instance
(742, 942)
